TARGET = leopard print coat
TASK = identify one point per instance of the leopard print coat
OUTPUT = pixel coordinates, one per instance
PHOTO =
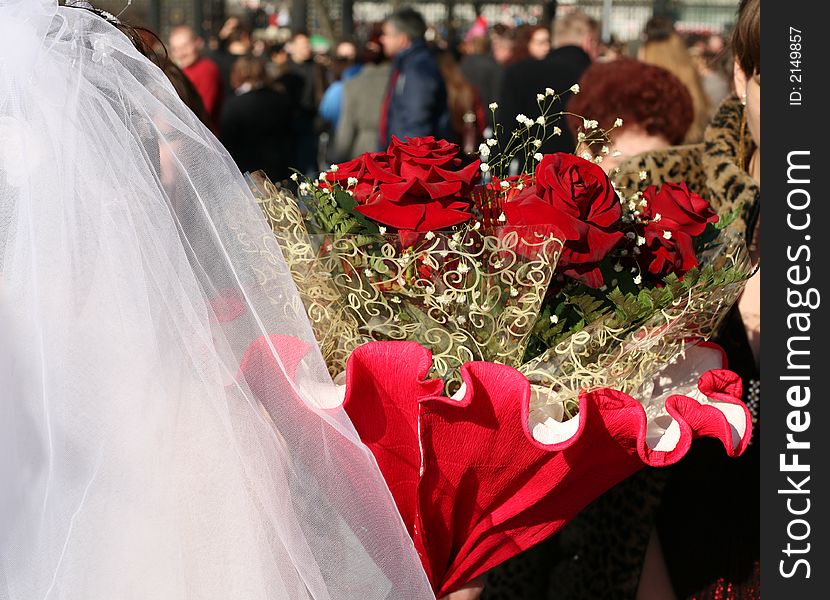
(599, 555)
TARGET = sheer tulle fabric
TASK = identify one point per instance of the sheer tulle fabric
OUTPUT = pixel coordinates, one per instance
(135, 272)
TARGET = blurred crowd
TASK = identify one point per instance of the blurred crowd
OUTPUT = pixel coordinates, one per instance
(303, 105)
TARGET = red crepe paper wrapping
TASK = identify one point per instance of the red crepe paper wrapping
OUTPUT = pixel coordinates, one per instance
(472, 485)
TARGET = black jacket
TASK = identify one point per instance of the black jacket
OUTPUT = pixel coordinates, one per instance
(256, 130)
(418, 106)
(561, 69)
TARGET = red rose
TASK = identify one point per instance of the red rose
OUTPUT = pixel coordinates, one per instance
(679, 209)
(368, 169)
(675, 215)
(575, 196)
(413, 185)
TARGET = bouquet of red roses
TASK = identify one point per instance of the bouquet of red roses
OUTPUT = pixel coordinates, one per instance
(564, 318)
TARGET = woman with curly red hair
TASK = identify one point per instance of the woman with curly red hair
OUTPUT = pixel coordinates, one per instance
(655, 107)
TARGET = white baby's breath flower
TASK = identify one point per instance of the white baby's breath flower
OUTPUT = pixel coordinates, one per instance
(643, 175)
(598, 159)
(641, 240)
(554, 319)
(537, 143)
(638, 280)
(587, 155)
(540, 97)
(549, 92)
(502, 218)
(504, 184)
(382, 229)
(463, 268)
(657, 217)
(430, 235)
(538, 156)
(605, 150)
(513, 292)
(616, 153)
(334, 168)
(304, 187)
(492, 142)
(484, 150)
(477, 226)
(540, 120)
(368, 272)
(396, 300)
(520, 186)
(667, 234)
(618, 122)
(643, 202)
(484, 167)
(323, 176)
(494, 105)
(521, 118)
(557, 131)
(334, 202)
(294, 177)
(575, 88)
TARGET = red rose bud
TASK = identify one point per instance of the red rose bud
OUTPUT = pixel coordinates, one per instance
(576, 198)
(679, 209)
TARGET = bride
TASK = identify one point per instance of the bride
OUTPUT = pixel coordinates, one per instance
(136, 274)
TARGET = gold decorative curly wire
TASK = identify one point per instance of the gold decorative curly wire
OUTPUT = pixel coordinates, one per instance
(629, 358)
(467, 295)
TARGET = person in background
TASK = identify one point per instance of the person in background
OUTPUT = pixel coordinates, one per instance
(304, 81)
(576, 44)
(415, 101)
(480, 68)
(343, 68)
(359, 122)
(532, 41)
(502, 44)
(726, 170)
(234, 41)
(468, 119)
(654, 105)
(665, 48)
(278, 61)
(256, 121)
(186, 51)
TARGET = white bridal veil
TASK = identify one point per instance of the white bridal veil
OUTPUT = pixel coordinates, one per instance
(135, 273)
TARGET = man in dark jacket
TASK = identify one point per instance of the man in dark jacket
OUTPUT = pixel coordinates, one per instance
(576, 44)
(415, 103)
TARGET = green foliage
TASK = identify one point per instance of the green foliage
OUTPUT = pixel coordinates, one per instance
(333, 211)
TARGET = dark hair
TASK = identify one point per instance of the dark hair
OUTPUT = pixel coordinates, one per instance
(746, 39)
(658, 28)
(523, 36)
(248, 69)
(640, 94)
(409, 22)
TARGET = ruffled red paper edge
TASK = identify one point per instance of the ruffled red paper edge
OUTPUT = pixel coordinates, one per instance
(472, 484)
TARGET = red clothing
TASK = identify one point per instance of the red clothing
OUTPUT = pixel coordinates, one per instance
(205, 76)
